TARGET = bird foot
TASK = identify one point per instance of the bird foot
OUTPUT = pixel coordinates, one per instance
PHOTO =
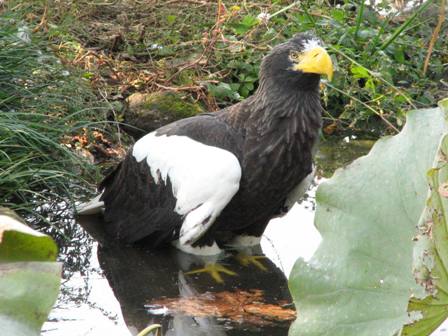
(214, 270)
(245, 260)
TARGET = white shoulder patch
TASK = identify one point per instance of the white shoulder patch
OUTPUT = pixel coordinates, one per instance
(204, 178)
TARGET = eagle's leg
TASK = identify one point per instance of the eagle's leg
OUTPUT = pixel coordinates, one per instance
(245, 240)
(249, 236)
(247, 243)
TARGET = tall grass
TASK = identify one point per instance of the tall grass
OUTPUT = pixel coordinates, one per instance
(41, 103)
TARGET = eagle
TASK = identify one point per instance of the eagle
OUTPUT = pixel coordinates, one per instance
(217, 179)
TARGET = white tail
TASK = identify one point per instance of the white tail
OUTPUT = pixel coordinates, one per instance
(91, 207)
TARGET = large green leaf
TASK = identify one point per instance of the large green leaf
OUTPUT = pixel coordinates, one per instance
(18, 242)
(431, 250)
(363, 275)
(29, 280)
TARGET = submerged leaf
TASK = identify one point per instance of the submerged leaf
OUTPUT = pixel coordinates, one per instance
(360, 280)
(239, 306)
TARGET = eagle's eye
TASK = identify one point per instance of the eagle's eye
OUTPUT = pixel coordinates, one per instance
(294, 55)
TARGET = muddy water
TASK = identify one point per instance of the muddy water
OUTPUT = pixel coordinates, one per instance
(113, 290)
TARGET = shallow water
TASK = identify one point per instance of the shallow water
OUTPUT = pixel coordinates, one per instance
(112, 290)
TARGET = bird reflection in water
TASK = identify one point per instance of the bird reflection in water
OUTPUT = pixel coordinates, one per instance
(157, 286)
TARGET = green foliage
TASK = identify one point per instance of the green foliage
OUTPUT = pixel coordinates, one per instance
(242, 26)
(41, 104)
(378, 51)
(374, 271)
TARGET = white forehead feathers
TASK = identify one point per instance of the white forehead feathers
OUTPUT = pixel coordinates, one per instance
(310, 44)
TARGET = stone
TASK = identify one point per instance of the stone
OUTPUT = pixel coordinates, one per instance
(145, 112)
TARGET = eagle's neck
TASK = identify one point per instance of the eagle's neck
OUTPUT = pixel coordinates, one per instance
(291, 114)
(280, 127)
(278, 116)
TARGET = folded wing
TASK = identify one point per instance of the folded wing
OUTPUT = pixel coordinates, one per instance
(174, 182)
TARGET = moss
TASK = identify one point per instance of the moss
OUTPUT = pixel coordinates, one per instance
(149, 111)
(172, 104)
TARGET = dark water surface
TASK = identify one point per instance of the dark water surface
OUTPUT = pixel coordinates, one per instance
(116, 290)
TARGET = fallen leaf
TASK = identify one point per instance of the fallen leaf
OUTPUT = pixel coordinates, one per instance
(239, 306)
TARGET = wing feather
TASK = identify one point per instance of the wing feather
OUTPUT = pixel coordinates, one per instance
(174, 181)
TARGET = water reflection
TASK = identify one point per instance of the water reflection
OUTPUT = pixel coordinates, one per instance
(148, 283)
(74, 244)
(96, 274)
(155, 287)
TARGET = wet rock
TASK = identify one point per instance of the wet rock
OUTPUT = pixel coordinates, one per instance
(145, 112)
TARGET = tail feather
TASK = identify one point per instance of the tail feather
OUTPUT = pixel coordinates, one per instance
(91, 207)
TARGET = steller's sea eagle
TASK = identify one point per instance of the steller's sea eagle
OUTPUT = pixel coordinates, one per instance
(216, 179)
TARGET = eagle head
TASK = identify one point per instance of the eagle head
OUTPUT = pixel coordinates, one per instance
(298, 62)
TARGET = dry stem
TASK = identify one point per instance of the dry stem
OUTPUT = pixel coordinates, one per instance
(435, 35)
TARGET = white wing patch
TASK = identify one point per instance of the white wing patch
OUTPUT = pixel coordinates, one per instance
(203, 178)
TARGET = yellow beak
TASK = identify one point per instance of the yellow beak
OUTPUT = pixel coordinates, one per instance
(315, 61)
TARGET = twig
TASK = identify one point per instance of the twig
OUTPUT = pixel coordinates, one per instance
(180, 88)
(243, 43)
(43, 21)
(104, 96)
(374, 74)
(365, 105)
(81, 56)
(211, 42)
(103, 3)
(296, 3)
(435, 35)
(284, 9)
(197, 2)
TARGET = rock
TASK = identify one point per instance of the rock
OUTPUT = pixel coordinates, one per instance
(149, 111)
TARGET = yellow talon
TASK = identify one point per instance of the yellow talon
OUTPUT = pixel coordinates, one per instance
(245, 260)
(150, 329)
(213, 270)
